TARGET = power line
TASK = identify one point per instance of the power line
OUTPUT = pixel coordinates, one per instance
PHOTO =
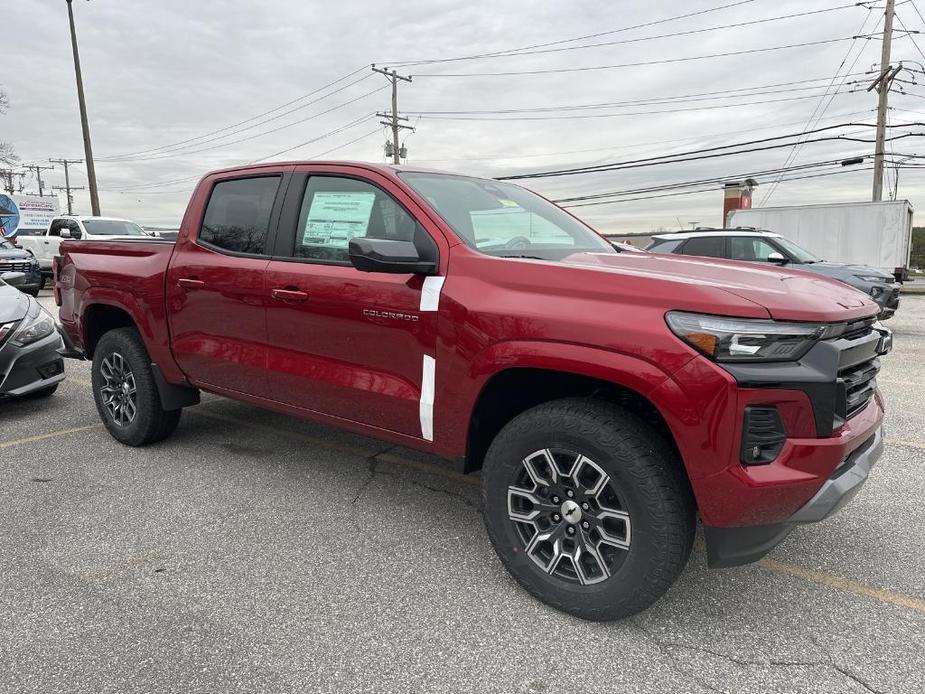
(248, 120)
(572, 40)
(703, 181)
(172, 155)
(640, 39)
(736, 93)
(604, 148)
(810, 123)
(712, 189)
(664, 61)
(624, 113)
(672, 158)
(145, 186)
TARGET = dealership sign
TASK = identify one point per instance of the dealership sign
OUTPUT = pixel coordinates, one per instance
(26, 212)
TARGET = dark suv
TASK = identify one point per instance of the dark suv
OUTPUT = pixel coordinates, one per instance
(15, 259)
(753, 245)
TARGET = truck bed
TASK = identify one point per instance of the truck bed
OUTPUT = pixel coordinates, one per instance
(123, 273)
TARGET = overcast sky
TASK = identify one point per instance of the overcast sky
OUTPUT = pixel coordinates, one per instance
(160, 74)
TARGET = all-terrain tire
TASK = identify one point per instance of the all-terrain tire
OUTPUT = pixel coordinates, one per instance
(151, 422)
(643, 470)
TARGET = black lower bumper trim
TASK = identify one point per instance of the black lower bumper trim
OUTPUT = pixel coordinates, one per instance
(728, 547)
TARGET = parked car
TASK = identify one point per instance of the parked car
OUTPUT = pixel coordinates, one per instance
(30, 362)
(45, 246)
(14, 258)
(609, 398)
(752, 245)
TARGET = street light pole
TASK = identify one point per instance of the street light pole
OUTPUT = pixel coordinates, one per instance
(85, 127)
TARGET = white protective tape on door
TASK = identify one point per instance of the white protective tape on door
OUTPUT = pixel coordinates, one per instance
(430, 293)
(427, 398)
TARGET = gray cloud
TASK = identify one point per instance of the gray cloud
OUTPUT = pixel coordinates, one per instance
(158, 73)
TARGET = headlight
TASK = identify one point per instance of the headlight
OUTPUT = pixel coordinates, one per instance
(747, 339)
(33, 328)
(874, 278)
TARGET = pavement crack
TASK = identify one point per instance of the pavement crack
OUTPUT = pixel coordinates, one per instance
(455, 495)
(851, 676)
(664, 648)
(373, 463)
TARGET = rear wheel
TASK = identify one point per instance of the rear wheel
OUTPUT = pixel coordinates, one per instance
(125, 392)
(588, 508)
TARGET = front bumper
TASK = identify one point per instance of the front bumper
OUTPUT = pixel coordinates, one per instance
(24, 370)
(887, 299)
(736, 546)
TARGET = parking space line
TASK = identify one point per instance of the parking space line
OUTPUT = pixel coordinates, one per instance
(912, 444)
(840, 583)
(49, 435)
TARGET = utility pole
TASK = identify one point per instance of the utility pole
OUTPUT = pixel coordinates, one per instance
(38, 174)
(393, 118)
(7, 175)
(67, 180)
(85, 127)
(883, 84)
(70, 198)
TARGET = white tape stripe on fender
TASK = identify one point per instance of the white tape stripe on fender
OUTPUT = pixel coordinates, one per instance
(430, 293)
(427, 398)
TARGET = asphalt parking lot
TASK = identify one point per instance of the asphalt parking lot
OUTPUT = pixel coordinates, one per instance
(257, 553)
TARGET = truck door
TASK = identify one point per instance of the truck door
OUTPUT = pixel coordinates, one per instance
(353, 345)
(216, 291)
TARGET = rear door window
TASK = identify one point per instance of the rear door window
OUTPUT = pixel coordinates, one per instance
(710, 246)
(237, 218)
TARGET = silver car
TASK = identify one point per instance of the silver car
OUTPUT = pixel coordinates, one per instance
(30, 343)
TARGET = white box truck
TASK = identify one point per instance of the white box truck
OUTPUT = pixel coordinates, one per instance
(878, 234)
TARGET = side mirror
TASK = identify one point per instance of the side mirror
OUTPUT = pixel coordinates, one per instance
(14, 279)
(776, 257)
(65, 233)
(385, 255)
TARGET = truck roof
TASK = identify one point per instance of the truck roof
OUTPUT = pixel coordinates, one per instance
(388, 169)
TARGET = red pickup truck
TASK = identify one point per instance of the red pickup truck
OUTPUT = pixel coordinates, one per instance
(610, 399)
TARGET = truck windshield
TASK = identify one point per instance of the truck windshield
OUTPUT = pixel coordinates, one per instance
(112, 227)
(797, 253)
(6, 246)
(505, 220)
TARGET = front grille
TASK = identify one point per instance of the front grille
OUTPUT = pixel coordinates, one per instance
(24, 266)
(859, 381)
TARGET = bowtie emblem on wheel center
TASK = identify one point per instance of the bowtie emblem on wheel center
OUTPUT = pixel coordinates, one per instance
(571, 511)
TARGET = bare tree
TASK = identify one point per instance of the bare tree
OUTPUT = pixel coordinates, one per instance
(7, 153)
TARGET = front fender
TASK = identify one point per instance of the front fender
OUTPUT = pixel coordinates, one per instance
(461, 395)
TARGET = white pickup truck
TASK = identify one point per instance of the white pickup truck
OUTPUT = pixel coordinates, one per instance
(45, 246)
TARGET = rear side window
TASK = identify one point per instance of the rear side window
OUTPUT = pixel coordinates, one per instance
(335, 210)
(710, 246)
(658, 246)
(237, 217)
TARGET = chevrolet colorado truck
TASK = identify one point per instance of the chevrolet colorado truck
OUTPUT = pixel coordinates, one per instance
(609, 399)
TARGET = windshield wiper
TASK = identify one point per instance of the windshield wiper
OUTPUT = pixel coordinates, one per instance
(529, 257)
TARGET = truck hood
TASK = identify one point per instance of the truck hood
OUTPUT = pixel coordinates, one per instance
(785, 293)
(15, 254)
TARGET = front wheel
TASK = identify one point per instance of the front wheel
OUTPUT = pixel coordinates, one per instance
(125, 393)
(588, 508)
